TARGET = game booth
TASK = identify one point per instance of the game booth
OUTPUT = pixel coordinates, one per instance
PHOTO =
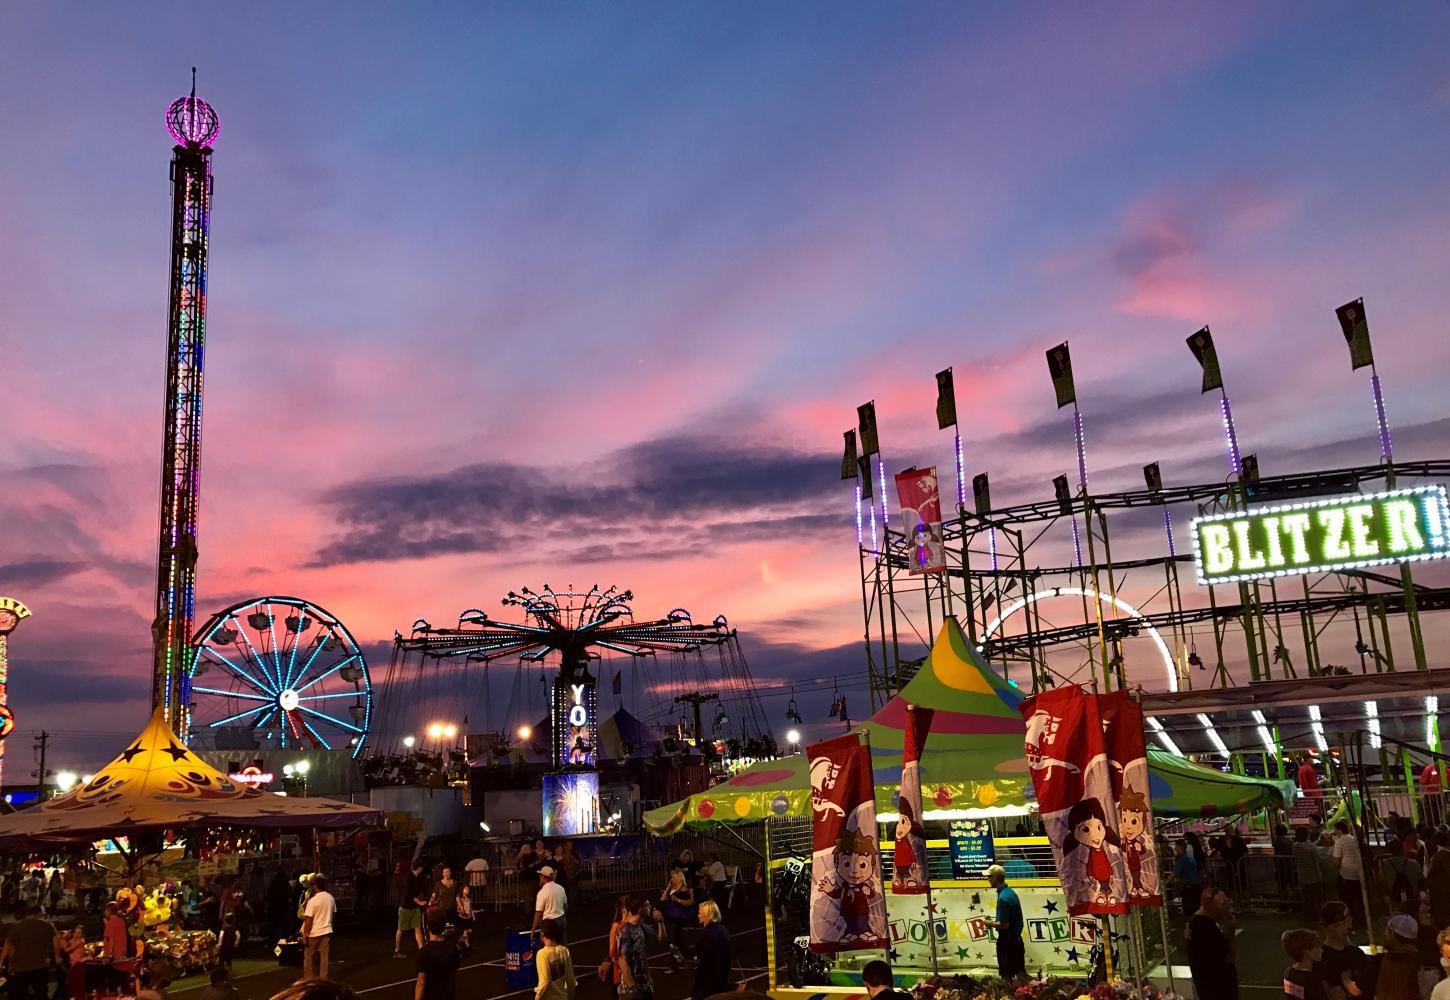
(151, 814)
(979, 809)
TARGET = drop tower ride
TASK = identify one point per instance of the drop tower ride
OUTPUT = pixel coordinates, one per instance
(194, 127)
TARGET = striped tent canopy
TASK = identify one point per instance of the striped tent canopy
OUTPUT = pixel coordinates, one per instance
(973, 764)
(622, 736)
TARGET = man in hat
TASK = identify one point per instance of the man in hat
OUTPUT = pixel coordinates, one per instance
(1011, 951)
(551, 901)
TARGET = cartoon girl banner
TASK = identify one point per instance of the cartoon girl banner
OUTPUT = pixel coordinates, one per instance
(921, 520)
(848, 904)
(909, 872)
(1067, 755)
(1128, 758)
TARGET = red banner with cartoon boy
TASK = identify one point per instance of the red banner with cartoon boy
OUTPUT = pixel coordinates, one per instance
(1068, 758)
(848, 906)
(909, 875)
(920, 498)
(1128, 759)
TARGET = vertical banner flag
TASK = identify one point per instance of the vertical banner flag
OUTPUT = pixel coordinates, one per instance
(1069, 763)
(1201, 344)
(863, 466)
(866, 421)
(848, 905)
(1059, 366)
(946, 400)
(1153, 477)
(848, 460)
(921, 520)
(909, 873)
(1128, 759)
(982, 494)
(1355, 325)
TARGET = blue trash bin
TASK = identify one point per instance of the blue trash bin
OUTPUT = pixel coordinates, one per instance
(520, 972)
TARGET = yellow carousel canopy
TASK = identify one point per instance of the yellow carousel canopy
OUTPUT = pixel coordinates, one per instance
(158, 784)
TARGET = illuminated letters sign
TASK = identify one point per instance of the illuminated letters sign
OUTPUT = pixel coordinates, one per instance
(1320, 536)
(574, 721)
(251, 775)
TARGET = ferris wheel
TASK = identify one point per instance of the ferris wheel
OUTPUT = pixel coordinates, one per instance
(284, 672)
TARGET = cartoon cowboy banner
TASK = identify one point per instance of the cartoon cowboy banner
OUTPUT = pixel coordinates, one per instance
(848, 905)
(1128, 758)
(921, 520)
(909, 874)
(1068, 758)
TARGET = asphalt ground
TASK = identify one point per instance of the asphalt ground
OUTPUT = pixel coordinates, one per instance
(362, 957)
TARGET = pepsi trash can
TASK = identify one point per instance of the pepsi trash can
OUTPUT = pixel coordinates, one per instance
(520, 973)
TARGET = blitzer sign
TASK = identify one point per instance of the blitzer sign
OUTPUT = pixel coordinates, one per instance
(1323, 535)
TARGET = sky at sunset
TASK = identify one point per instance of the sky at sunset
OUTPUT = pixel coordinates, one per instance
(512, 293)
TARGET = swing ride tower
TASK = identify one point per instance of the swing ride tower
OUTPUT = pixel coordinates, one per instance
(194, 127)
(573, 627)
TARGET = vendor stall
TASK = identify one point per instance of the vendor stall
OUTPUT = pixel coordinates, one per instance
(155, 794)
(972, 768)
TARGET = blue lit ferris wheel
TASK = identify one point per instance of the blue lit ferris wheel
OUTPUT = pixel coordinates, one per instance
(279, 672)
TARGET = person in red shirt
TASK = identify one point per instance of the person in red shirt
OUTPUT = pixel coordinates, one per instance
(1432, 791)
(1308, 778)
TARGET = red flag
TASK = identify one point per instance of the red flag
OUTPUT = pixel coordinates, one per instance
(1128, 759)
(848, 907)
(909, 873)
(921, 520)
(1070, 774)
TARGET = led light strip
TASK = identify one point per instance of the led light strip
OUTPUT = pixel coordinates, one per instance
(1372, 716)
(1163, 737)
(1316, 723)
(1264, 735)
(1432, 715)
(1213, 736)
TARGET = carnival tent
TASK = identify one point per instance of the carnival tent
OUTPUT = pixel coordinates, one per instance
(622, 736)
(158, 784)
(973, 763)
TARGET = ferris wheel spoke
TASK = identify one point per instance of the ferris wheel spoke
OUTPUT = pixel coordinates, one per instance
(238, 671)
(231, 694)
(324, 697)
(276, 653)
(334, 669)
(316, 735)
(330, 718)
(292, 653)
(331, 631)
(239, 715)
(257, 657)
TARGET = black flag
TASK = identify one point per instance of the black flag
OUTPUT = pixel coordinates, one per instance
(1064, 494)
(866, 420)
(864, 464)
(1201, 344)
(1355, 326)
(1153, 478)
(982, 494)
(848, 460)
(946, 400)
(1059, 366)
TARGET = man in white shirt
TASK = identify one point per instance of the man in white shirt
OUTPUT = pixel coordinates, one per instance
(715, 873)
(1351, 872)
(477, 873)
(317, 929)
(551, 902)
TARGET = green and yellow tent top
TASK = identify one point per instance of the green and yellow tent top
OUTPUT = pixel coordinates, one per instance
(973, 764)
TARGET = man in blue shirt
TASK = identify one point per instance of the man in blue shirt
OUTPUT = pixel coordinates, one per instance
(1011, 950)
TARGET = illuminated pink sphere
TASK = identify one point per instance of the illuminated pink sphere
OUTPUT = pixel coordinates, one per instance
(192, 122)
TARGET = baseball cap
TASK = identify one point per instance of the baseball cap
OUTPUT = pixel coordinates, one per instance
(547, 870)
(994, 870)
(1405, 926)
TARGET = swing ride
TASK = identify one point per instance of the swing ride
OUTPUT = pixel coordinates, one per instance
(569, 630)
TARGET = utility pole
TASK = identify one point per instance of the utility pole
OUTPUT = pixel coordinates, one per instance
(41, 742)
(696, 699)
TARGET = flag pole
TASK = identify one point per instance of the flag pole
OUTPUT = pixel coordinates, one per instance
(1231, 437)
